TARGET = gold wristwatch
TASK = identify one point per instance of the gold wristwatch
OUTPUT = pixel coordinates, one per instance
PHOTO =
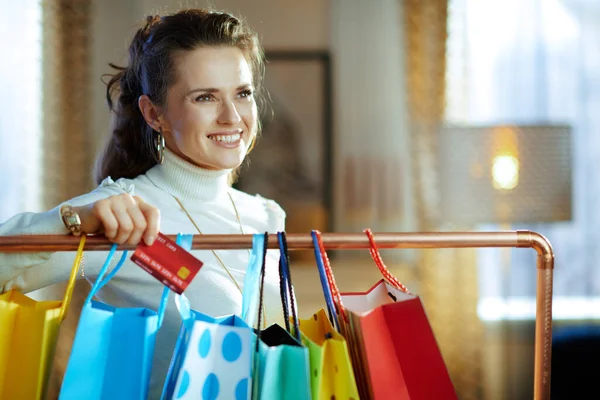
(71, 219)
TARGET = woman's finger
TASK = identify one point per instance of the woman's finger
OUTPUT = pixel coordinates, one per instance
(124, 221)
(152, 216)
(139, 222)
(102, 210)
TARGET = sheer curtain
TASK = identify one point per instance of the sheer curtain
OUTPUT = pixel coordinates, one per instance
(535, 61)
(20, 106)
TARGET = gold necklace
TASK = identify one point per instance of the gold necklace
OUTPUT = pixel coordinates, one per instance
(237, 215)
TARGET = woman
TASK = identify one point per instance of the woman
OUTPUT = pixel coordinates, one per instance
(185, 118)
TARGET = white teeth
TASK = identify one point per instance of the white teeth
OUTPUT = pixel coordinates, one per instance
(226, 138)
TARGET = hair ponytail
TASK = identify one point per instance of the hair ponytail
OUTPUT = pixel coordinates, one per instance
(130, 150)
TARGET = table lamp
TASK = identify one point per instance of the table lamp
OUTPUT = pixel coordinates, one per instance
(505, 174)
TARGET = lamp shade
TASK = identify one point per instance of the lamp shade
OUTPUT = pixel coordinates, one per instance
(505, 174)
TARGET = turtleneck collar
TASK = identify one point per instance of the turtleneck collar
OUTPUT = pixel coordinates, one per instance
(187, 181)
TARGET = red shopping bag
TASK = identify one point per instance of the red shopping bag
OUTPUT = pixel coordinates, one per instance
(394, 352)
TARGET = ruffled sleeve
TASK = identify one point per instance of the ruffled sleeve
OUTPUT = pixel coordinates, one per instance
(119, 186)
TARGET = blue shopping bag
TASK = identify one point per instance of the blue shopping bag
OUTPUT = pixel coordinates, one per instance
(112, 352)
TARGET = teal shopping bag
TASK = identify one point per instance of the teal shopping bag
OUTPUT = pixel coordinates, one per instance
(281, 364)
(112, 352)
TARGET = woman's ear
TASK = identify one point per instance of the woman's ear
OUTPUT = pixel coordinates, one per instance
(149, 111)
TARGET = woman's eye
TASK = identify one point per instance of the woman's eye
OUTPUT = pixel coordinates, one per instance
(204, 97)
(246, 93)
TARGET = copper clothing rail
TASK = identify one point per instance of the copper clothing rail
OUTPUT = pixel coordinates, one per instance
(418, 240)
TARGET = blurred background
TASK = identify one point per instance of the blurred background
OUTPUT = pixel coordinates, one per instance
(394, 115)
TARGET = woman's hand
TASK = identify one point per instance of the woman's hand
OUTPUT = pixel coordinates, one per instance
(122, 218)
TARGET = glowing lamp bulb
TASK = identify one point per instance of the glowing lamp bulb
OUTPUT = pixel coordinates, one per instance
(505, 172)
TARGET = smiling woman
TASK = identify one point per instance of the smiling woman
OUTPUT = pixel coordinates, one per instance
(185, 117)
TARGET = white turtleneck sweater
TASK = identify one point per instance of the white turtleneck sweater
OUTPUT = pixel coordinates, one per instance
(204, 195)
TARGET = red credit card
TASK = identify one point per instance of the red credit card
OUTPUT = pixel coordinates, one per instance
(169, 263)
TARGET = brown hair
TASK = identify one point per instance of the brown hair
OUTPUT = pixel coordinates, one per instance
(130, 150)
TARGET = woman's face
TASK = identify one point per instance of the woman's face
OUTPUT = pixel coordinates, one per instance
(210, 115)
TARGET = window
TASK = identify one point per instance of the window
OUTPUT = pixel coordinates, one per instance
(535, 62)
(20, 106)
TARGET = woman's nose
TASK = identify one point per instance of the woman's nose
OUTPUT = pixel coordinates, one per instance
(229, 114)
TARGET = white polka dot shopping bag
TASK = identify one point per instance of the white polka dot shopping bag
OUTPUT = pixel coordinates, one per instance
(217, 361)
(212, 359)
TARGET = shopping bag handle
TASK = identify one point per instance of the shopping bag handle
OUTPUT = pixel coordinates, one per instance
(261, 288)
(330, 291)
(286, 288)
(100, 280)
(259, 253)
(283, 281)
(182, 240)
(381, 265)
(250, 297)
(181, 301)
(185, 241)
(64, 307)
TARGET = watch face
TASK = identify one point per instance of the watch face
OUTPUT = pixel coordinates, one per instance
(72, 220)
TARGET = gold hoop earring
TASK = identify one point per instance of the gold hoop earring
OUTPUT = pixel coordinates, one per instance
(160, 146)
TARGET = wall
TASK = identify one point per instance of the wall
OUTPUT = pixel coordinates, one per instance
(281, 24)
(112, 28)
(373, 186)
